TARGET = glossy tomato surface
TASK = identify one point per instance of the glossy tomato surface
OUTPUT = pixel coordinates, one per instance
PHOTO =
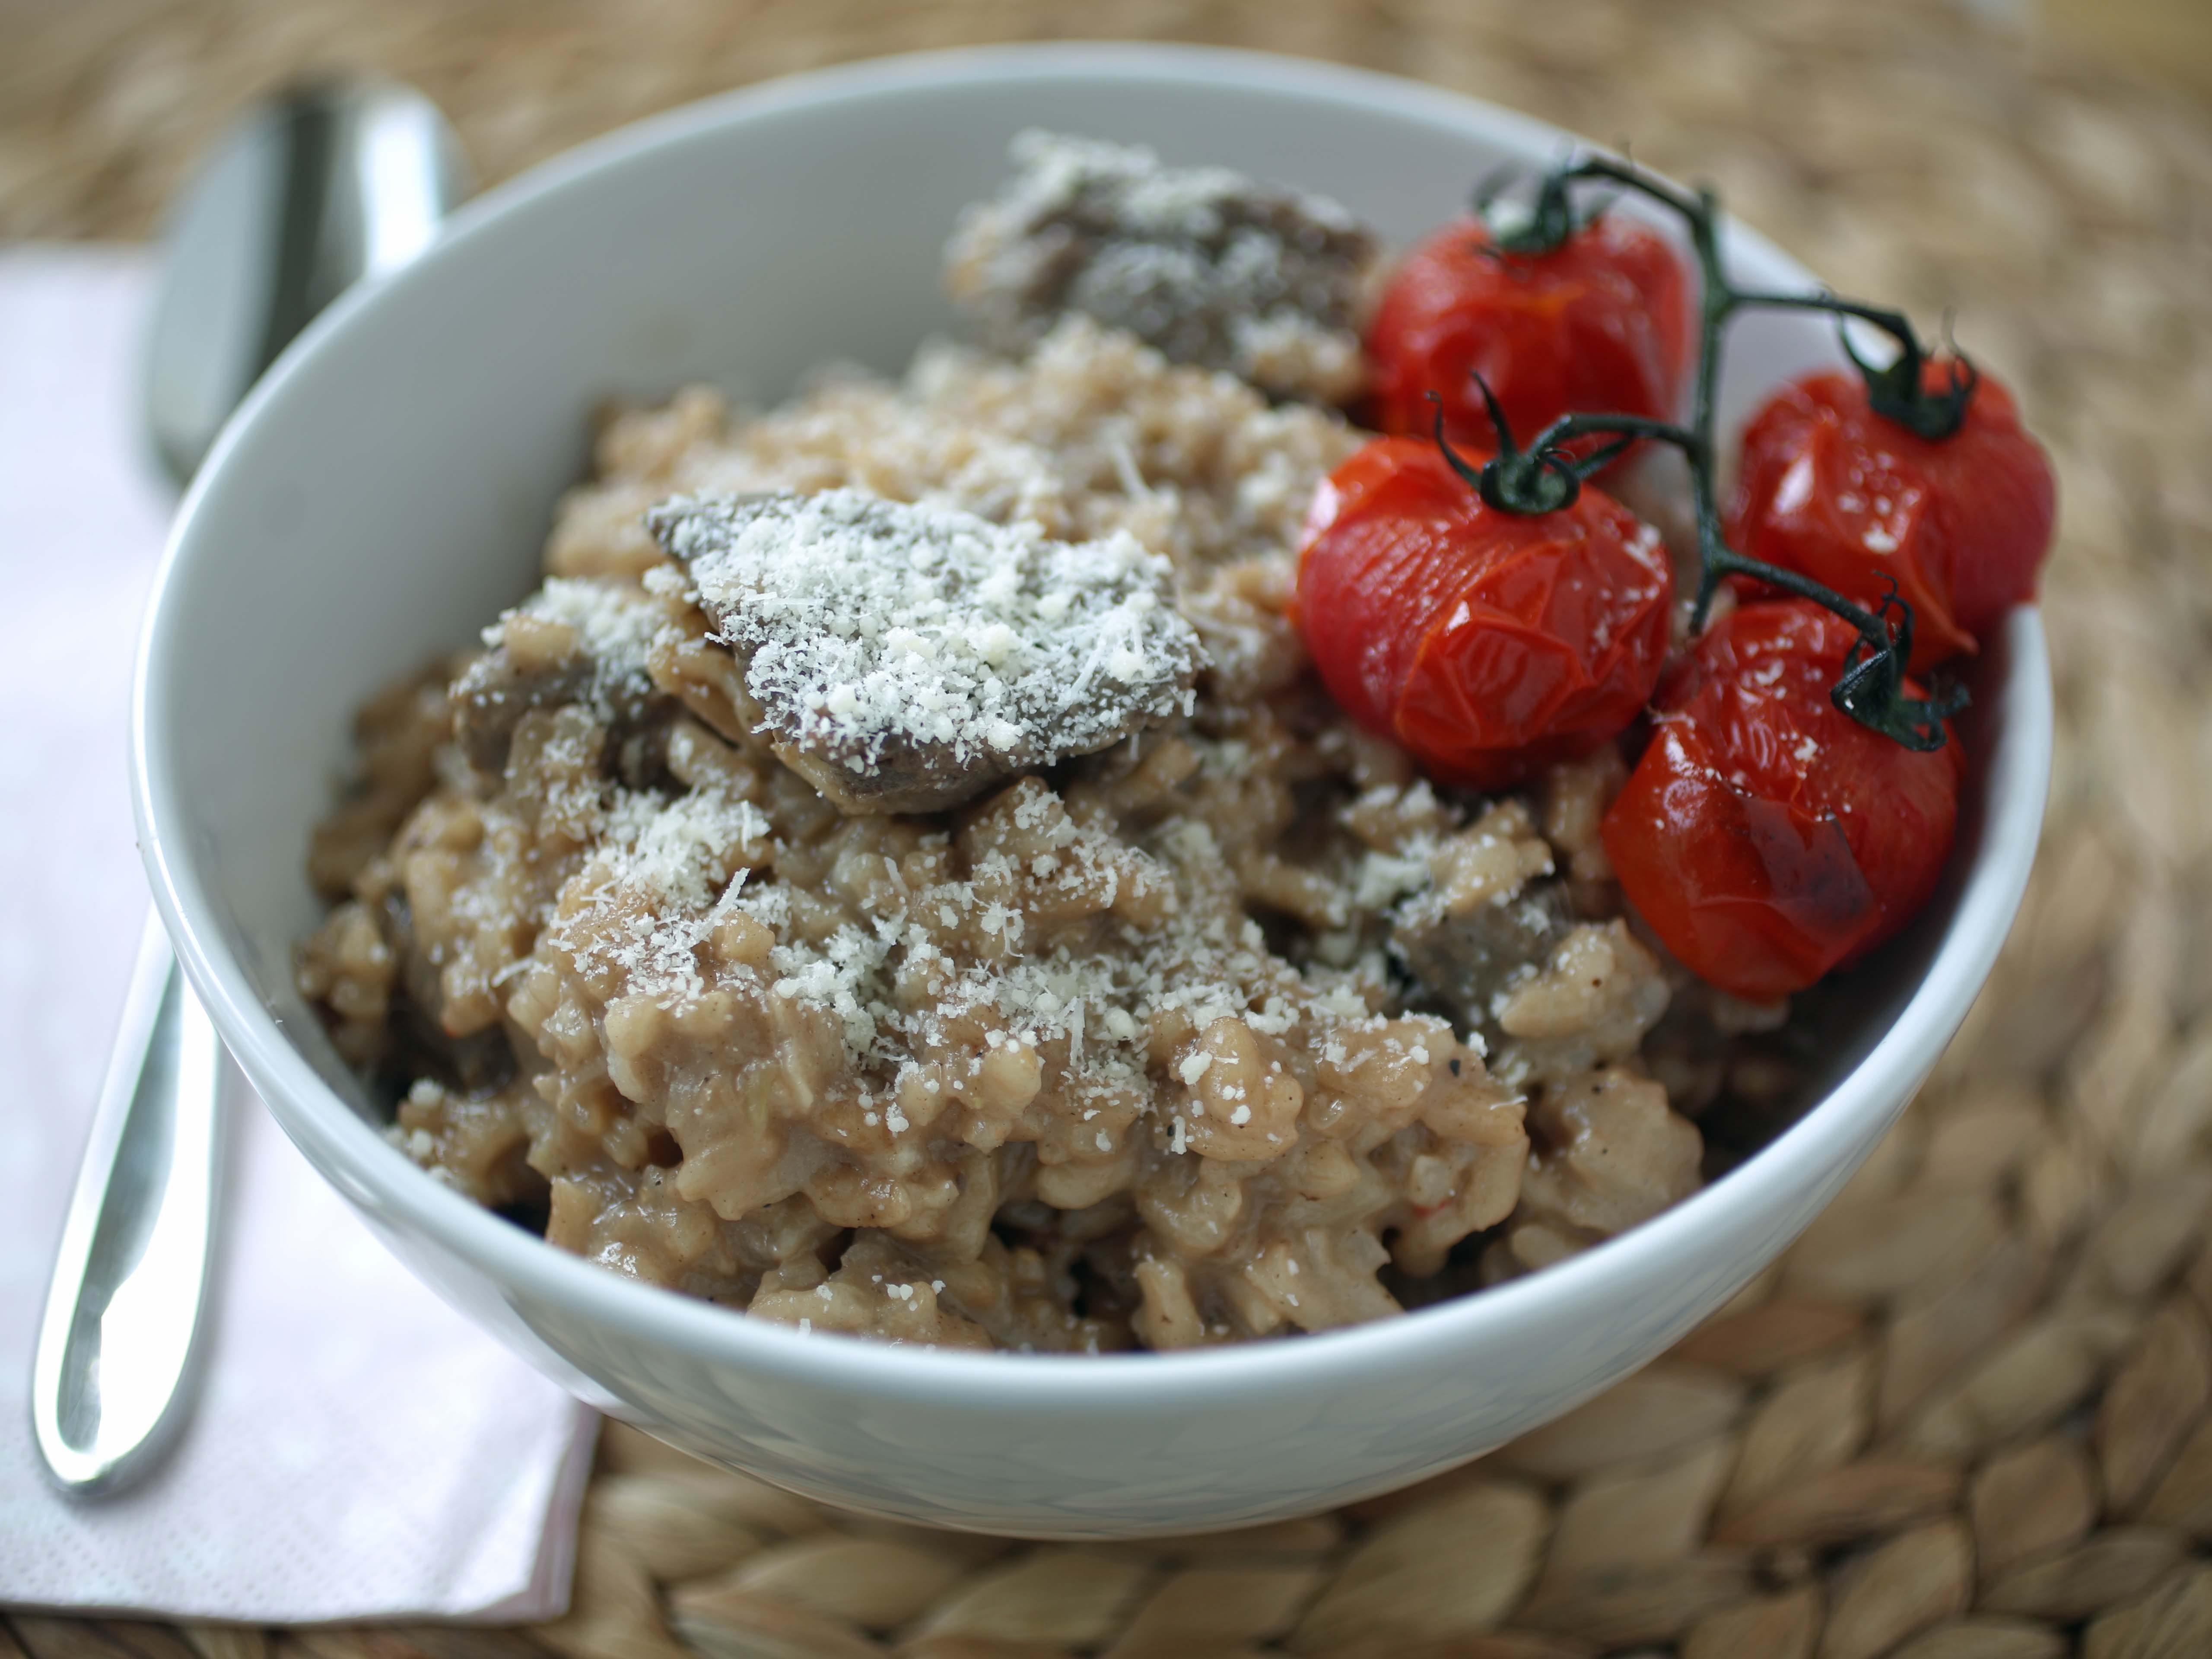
(1601, 325)
(1490, 644)
(1765, 835)
(1829, 488)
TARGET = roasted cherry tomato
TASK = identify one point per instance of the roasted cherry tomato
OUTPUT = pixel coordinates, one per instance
(1830, 488)
(1599, 325)
(1765, 835)
(1488, 643)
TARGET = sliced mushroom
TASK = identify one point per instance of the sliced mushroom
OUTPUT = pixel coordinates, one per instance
(574, 641)
(903, 658)
(1464, 960)
(1201, 262)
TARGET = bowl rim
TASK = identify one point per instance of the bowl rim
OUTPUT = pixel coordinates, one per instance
(336, 1138)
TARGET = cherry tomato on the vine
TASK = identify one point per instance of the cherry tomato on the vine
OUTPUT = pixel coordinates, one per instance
(1831, 489)
(1489, 644)
(1601, 325)
(1765, 835)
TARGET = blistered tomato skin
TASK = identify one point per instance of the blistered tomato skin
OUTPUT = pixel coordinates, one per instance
(1489, 644)
(1831, 489)
(1765, 835)
(1599, 324)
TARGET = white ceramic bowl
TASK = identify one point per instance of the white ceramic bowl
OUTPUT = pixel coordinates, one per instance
(387, 489)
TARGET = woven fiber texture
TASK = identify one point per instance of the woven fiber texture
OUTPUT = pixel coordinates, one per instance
(1967, 1417)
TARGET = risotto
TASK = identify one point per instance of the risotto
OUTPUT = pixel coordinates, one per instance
(851, 985)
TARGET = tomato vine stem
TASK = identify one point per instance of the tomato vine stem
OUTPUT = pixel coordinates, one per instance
(1544, 476)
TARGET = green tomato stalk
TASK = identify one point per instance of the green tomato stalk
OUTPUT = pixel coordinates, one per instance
(1544, 476)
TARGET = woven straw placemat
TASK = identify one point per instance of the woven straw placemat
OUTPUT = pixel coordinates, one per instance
(1967, 1417)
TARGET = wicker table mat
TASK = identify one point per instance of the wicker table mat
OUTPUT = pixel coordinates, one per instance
(1967, 1417)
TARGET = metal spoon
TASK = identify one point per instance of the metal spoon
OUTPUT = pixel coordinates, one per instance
(311, 192)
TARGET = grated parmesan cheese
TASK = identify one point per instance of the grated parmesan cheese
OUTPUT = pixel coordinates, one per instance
(614, 624)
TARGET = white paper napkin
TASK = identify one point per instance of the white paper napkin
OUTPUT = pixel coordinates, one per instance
(359, 1450)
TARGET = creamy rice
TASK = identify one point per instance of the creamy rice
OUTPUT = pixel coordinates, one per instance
(1234, 1029)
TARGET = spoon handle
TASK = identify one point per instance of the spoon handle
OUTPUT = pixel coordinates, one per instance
(116, 1345)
